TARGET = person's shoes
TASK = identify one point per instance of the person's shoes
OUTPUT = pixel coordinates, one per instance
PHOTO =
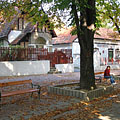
(114, 83)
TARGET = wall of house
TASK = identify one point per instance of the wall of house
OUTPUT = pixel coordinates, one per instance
(13, 35)
(112, 67)
(65, 67)
(101, 55)
(18, 68)
(61, 46)
(104, 47)
(96, 59)
(101, 48)
(76, 53)
(5, 43)
(46, 36)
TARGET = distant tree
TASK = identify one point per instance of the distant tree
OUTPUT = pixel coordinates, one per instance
(109, 12)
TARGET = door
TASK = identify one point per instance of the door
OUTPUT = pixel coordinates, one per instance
(110, 55)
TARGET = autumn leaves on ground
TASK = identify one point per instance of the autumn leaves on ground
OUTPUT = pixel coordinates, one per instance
(55, 107)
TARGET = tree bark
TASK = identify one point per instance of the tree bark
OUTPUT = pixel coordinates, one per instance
(116, 25)
(85, 33)
(87, 79)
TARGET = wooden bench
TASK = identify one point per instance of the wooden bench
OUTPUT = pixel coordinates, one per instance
(21, 91)
(100, 76)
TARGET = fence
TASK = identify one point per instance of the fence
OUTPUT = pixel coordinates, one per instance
(20, 54)
(57, 57)
(26, 54)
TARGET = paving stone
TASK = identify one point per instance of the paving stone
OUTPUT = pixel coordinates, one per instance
(15, 111)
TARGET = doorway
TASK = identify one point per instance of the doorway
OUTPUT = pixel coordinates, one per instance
(110, 55)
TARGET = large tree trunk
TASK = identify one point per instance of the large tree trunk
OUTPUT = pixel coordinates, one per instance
(87, 80)
(85, 33)
(87, 23)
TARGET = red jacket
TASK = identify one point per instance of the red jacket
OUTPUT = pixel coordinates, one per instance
(107, 72)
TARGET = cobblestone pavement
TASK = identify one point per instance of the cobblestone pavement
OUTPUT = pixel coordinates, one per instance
(22, 108)
(113, 112)
(45, 78)
(51, 77)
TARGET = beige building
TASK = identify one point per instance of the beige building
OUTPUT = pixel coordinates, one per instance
(23, 33)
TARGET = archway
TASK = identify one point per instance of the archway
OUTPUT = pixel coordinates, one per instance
(40, 42)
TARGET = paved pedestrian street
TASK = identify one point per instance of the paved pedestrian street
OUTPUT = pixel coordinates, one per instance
(58, 107)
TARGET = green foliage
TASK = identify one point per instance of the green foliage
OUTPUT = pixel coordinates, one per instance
(34, 11)
(109, 11)
(16, 46)
(7, 10)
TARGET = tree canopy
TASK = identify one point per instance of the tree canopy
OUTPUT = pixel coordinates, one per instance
(81, 14)
(109, 12)
(39, 10)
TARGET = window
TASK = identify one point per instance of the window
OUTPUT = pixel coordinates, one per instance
(110, 55)
(117, 54)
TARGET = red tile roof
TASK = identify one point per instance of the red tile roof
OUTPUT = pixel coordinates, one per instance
(64, 35)
(107, 33)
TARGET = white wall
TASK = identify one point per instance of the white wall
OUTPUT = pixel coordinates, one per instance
(76, 53)
(43, 35)
(96, 59)
(112, 67)
(75, 47)
(100, 57)
(18, 68)
(103, 46)
(13, 35)
(65, 67)
(5, 44)
(62, 46)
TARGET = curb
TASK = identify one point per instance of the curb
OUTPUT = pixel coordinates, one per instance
(79, 93)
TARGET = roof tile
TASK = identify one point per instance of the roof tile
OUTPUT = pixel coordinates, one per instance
(64, 35)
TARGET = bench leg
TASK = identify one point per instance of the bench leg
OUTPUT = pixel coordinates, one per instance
(0, 101)
(31, 94)
(0, 96)
(39, 92)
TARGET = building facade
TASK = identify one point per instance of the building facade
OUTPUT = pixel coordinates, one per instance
(21, 32)
(106, 47)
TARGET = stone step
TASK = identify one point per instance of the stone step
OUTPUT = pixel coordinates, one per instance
(53, 70)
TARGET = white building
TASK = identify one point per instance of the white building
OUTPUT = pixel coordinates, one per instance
(106, 46)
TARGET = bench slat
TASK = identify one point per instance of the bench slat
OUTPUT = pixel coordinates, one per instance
(97, 73)
(5, 84)
(98, 76)
(18, 92)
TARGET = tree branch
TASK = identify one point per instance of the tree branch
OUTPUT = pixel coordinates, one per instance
(118, 29)
(116, 25)
(74, 10)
